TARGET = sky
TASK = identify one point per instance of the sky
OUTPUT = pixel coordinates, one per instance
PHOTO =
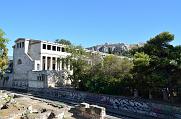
(90, 22)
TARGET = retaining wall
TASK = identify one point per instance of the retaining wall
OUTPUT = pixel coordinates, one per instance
(116, 104)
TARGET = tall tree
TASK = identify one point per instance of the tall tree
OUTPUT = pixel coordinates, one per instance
(164, 61)
(140, 71)
(3, 52)
(63, 41)
(79, 62)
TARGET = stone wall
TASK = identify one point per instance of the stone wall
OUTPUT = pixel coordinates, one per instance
(19, 84)
(6, 81)
(115, 104)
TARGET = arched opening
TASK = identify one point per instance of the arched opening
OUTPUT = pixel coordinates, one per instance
(19, 61)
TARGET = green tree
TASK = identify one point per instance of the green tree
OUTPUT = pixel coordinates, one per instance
(163, 64)
(80, 69)
(3, 53)
(141, 59)
(140, 73)
(116, 66)
(92, 73)
(63, 41)
(79, 62)
(110, 75)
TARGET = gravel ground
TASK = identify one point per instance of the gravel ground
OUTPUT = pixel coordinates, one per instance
(25, 101)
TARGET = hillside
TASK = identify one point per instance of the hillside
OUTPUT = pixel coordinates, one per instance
(116, 48)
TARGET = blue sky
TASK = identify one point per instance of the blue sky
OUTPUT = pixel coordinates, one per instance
(90, 22)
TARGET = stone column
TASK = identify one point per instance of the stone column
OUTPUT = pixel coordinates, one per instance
(56, 64)
(60, 64)
(41, 64)
(45, 63)
(51, 58)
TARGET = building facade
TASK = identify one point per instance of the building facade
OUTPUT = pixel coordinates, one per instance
(39, 64)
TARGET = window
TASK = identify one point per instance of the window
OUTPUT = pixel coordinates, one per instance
(43, 77)
(44, 46)
(48, 47)
(19, 61)
(38, 66)
(23, 44)
(54, 48)
(39, 78)
(58, 48)
(19, 45)
(63, 49)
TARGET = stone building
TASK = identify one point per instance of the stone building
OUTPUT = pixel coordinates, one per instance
(39, 64)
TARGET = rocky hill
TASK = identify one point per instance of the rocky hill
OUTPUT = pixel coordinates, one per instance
(117, 48)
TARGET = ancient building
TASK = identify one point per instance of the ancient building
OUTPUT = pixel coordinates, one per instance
(39, 64)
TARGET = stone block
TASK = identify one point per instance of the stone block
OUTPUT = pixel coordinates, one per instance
(98, 112)
(83, 107)
(92, 111)
(60, 115)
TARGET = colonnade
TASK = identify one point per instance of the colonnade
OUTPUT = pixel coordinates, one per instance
(54, 63)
